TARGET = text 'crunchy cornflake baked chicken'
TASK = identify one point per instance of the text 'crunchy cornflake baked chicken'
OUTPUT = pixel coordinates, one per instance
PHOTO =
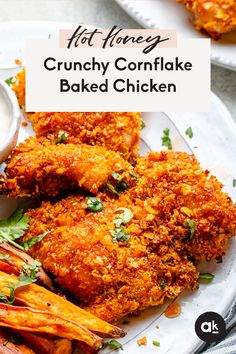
(118, 131)
(140, 247)
(214, 16)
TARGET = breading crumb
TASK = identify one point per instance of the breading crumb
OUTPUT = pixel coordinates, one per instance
(18, 62)
(142, 341)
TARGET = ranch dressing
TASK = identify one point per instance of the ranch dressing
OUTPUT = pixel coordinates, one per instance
(5, 118)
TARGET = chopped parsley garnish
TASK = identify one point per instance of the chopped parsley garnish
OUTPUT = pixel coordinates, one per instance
(143, 125)
(189, 132)
(33, 240)
(192, 228)
(23, 281)
(120, 233)
(60, 139)
(132, 174)
(166, 141)
(13, 228)
(9, 81)
(94, 204)
(114, 344)
(26, 277)
(31, 270)
(3, 298)
(5, 257)
(234, 182)
(163, 283)
(156, 343)
(206, 276)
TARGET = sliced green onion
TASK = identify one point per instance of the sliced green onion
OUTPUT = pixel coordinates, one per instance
(192, 228)
(132, 174)
(114, 344)
(206, 276)
(156, 343)
(163, 283)
(112, 188)
(189, 132)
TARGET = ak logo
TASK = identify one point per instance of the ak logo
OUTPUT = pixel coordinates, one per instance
(210, 327)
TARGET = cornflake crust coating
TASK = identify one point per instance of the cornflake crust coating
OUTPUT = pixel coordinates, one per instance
(187, 204)
(214, 16)
(117, 131)
(42, 167)
(180, 215)
(110, 278)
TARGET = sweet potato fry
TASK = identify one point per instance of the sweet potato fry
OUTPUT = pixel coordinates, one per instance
(7, 347)
(43, 345)
(15, 267)
(28, 319)
(40, 298)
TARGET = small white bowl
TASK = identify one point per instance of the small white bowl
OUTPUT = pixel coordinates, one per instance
(14, 118)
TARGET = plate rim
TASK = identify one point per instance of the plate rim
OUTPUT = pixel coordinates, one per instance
(136, 15)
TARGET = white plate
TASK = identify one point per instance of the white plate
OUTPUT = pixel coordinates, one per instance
(170, 15)
(214, 144)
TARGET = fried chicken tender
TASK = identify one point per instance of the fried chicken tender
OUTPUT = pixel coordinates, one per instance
(176, 192)
(113, 277)
(110, 278)
(118, 131)
(42, 167)
(214, 16)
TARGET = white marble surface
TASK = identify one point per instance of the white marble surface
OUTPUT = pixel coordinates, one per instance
(104, 13)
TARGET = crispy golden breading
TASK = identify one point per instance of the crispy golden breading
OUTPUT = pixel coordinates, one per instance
(118, 131)
(19, 87)
(175, 190)
(39, 166)
(111, 279)
(179, 214)
(214, 16)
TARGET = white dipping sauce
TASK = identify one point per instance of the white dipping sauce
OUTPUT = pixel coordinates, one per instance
(5, 118)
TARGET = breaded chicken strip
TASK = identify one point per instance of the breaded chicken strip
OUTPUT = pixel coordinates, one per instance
(183, 203)
(187, 205)
(214, 16)
(40, 166)
(111, 277)
(118, 131)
